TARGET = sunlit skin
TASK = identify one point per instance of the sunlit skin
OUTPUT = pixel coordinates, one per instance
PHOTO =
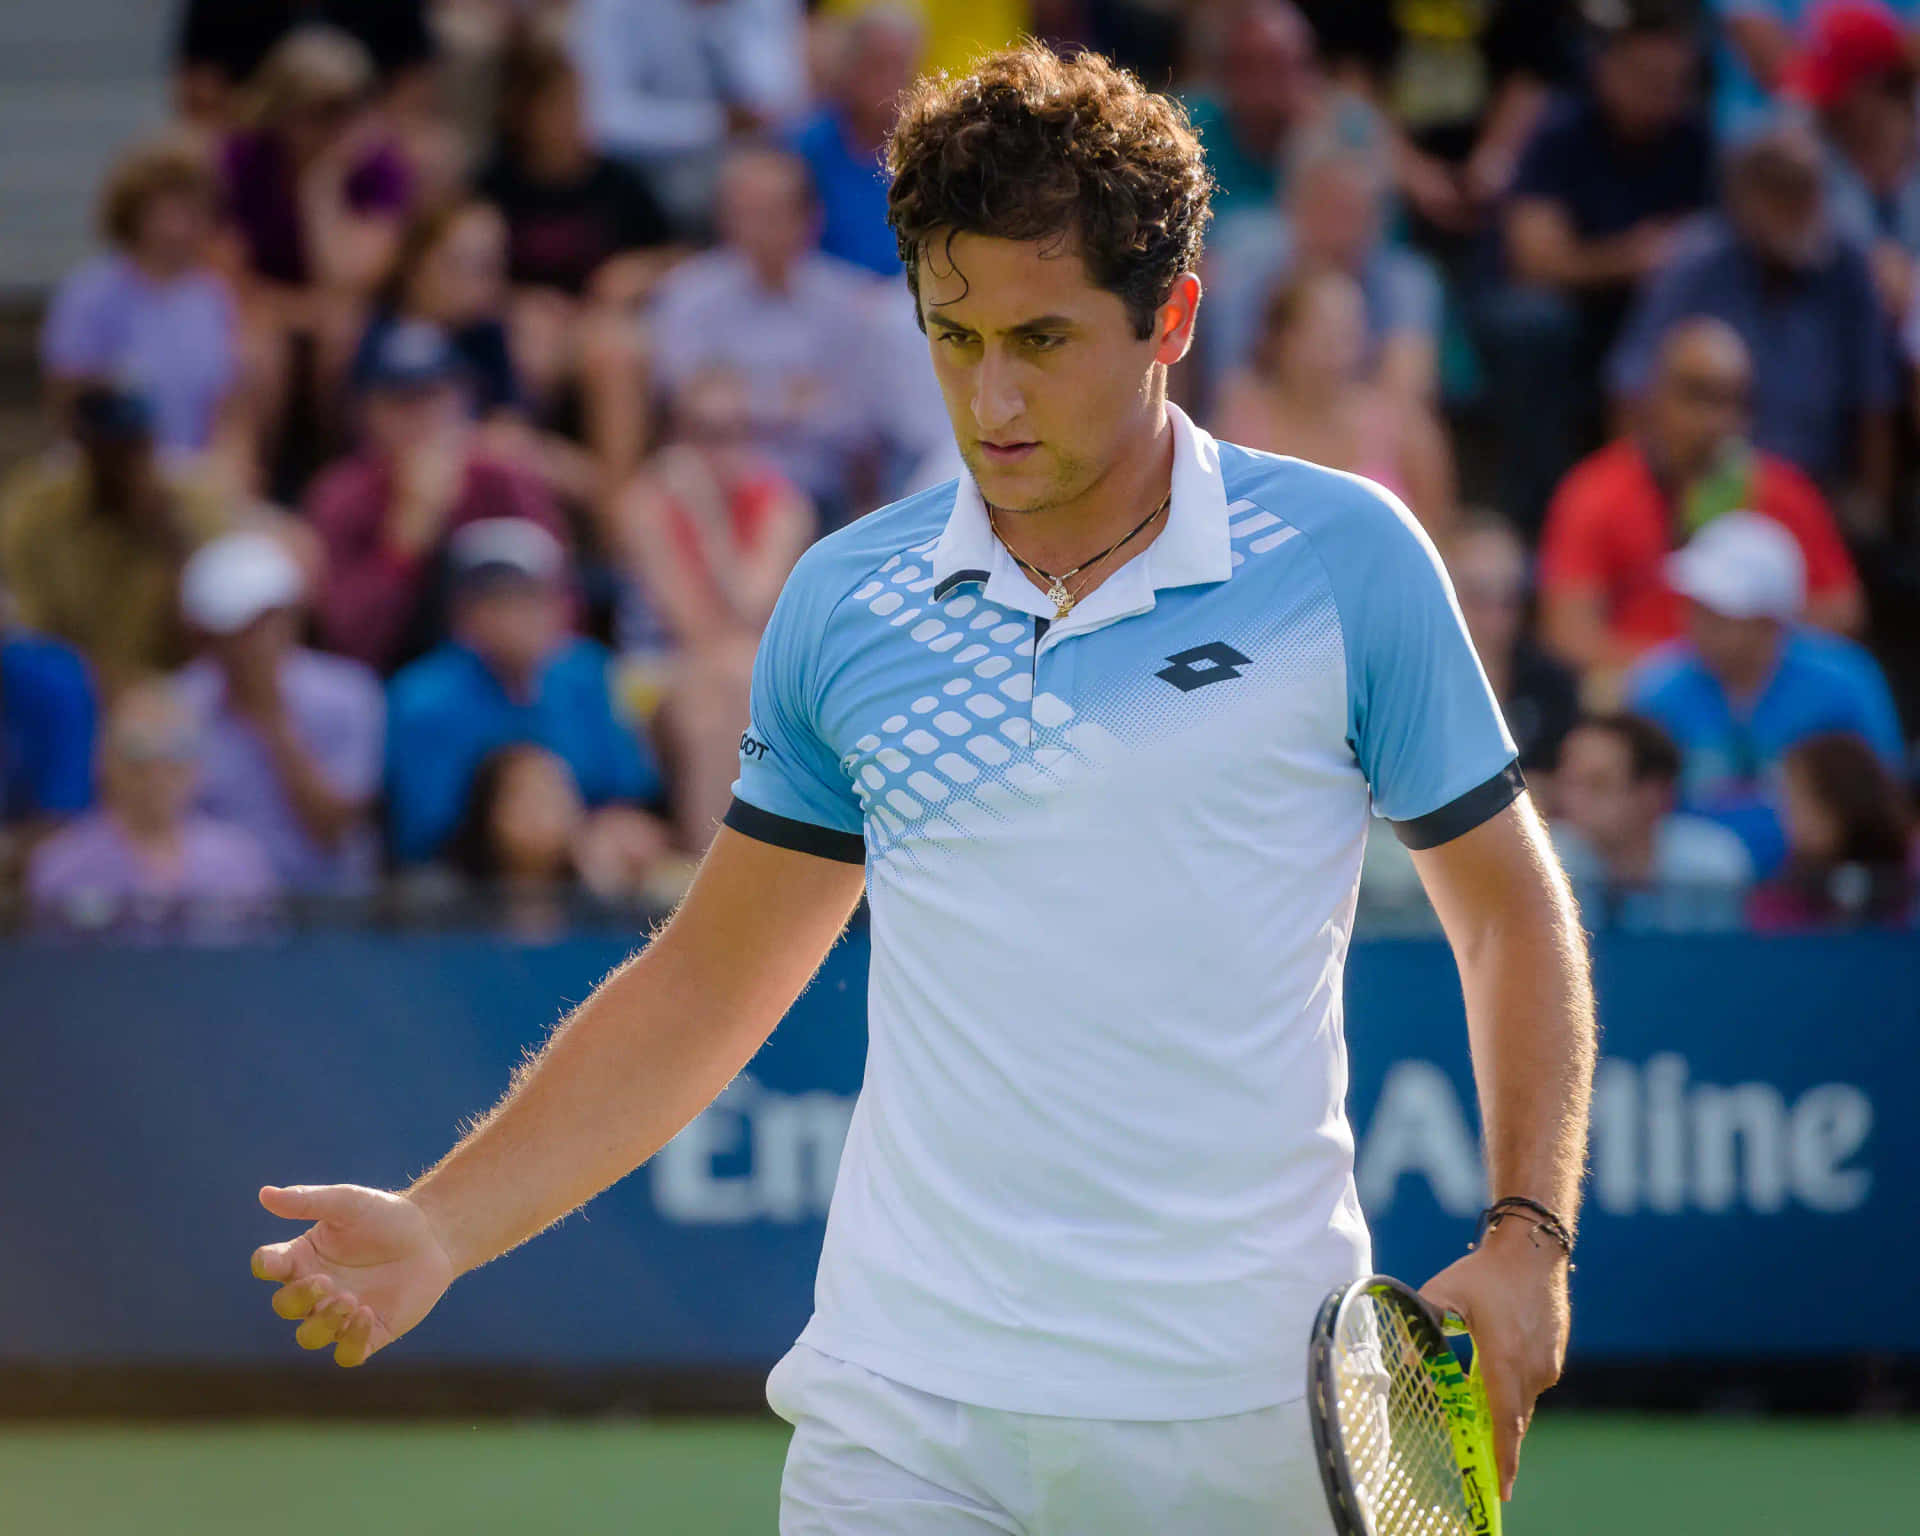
(1058, 408)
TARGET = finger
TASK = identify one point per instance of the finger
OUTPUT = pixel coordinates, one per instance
(275, 1261)
(1509, 1409)
(298, 1299)
(317, 1332)
(311, 1202)
(356, 1343)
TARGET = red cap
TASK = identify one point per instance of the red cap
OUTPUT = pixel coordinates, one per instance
(1849, 42)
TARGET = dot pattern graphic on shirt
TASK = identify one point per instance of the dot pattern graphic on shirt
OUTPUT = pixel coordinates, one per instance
(983, 745)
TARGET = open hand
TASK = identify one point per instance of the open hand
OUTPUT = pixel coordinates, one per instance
(367, 1270)
(1512, 1295)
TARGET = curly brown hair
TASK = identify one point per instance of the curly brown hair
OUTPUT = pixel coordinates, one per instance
(1033, 145)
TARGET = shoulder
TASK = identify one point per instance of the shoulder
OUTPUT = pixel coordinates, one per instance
(1663, 675)
(72, 849)
(1832, 661)
(1349, 520)
(321, 678)
(1784, 484)
(443, 679)
(1603, 476)
(42, 667)
(703, 279)
(813, 135)
(835, 566)
(1569, 123)
(1692, 847)
(94, 282)
(831, 278)
(582, 663)
(231, 849)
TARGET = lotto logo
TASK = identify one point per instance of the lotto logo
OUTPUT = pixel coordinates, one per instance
(1215, 662)
(751, 746)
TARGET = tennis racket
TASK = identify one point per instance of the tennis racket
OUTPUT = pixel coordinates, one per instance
(1400, 1429)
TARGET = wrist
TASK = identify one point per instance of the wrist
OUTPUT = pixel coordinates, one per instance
(443, 1222)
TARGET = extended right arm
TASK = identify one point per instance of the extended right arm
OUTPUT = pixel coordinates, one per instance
(641, 1057)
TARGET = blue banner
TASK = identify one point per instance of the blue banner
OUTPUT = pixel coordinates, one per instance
(1754, 1145)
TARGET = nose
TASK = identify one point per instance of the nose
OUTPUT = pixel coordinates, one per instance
(997, 403)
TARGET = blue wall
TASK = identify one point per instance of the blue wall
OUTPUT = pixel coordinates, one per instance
(1756, 1145)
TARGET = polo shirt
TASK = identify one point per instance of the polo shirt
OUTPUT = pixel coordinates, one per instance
(1731, 751)
(1611, 526)
(852, 190)
(1101, 1166)
(1822, 350)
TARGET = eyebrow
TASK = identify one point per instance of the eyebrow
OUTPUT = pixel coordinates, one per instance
(1024, 328)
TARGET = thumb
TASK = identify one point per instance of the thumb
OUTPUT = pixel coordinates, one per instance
(312, 1202)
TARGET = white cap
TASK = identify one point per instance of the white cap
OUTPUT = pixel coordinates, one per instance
(233, 580)
(1744, 566)
(505, 545)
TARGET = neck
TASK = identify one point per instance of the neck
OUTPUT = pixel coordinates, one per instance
(1059, 537)
(1630, 860)
(772, 275)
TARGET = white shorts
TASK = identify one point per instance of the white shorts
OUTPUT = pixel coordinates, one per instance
(871, 1457)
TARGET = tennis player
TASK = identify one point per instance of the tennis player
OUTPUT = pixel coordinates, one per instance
(1097, 729)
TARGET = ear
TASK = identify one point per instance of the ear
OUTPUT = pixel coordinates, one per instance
(1173, 320)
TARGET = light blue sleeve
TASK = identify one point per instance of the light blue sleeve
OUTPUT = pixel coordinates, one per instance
(1421, 717)
(792, 791)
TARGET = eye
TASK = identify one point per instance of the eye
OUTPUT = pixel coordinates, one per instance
(1045, 342)
(954, 338)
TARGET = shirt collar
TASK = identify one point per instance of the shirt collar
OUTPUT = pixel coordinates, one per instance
(1193, 548)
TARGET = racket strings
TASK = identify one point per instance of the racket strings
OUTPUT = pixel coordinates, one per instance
(1394, 1425)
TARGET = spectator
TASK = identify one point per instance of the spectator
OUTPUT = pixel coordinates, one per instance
(450, 271)
(46, 742)
(146, 861)
(1601, 192)
(1333, 220)
(153, 316)
(802, 327)
(1624, 845)
(669, 81)
(384, 513)
(577, 221)
(1846, 831)
(92, 540)
(1857, 72)
(712, 529)
(1265, 86)
(1804, 303)
(1539, 697)
(512, 675)
(290, 739)
(1620, 512)
(1757, 44)
(317, 193)
(844, 141)
(222, 42)
(1463, 86)
(1746, 686)
(1306, 395)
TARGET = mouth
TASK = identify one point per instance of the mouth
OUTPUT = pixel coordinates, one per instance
(1007, 452)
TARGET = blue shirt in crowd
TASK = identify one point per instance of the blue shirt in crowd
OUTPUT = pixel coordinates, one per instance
(447, 713)
(1607, 184)
(852, 189)
(46, 729)
(1822, 351)
(1730, 758)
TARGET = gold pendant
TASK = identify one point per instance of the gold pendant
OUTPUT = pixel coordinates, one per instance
(1061, 598)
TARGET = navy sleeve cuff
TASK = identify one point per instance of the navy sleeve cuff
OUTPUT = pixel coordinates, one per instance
(800, 836)
(1481, 803)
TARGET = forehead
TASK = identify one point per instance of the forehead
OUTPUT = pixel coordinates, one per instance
(989, 284)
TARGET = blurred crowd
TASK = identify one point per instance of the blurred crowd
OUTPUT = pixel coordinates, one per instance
(457, 381)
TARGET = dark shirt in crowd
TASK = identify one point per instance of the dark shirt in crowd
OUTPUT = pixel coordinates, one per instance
(47, 718)
(1822, 352)
(486, 361)
(235, 35)
(1607, 185)
(559, 233)
(1440, 64)
(263, 198)
(1542, 703)
(448, 712)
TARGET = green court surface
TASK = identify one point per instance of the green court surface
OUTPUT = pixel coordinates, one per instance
(1582, 1476)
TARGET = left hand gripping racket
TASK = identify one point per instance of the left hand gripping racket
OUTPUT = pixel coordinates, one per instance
(1400, 1428)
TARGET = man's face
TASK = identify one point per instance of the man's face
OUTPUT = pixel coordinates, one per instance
(1336, 214)
(1267, 74)
(1489, 573)
(1598, 795)
(1699, 404)
(880, 65)
(173, 229)
(396, 419)
(1645, 83)
(1737, 651)
(1775, 202)
(513, 627)
(764, 210)
(1043, 376)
